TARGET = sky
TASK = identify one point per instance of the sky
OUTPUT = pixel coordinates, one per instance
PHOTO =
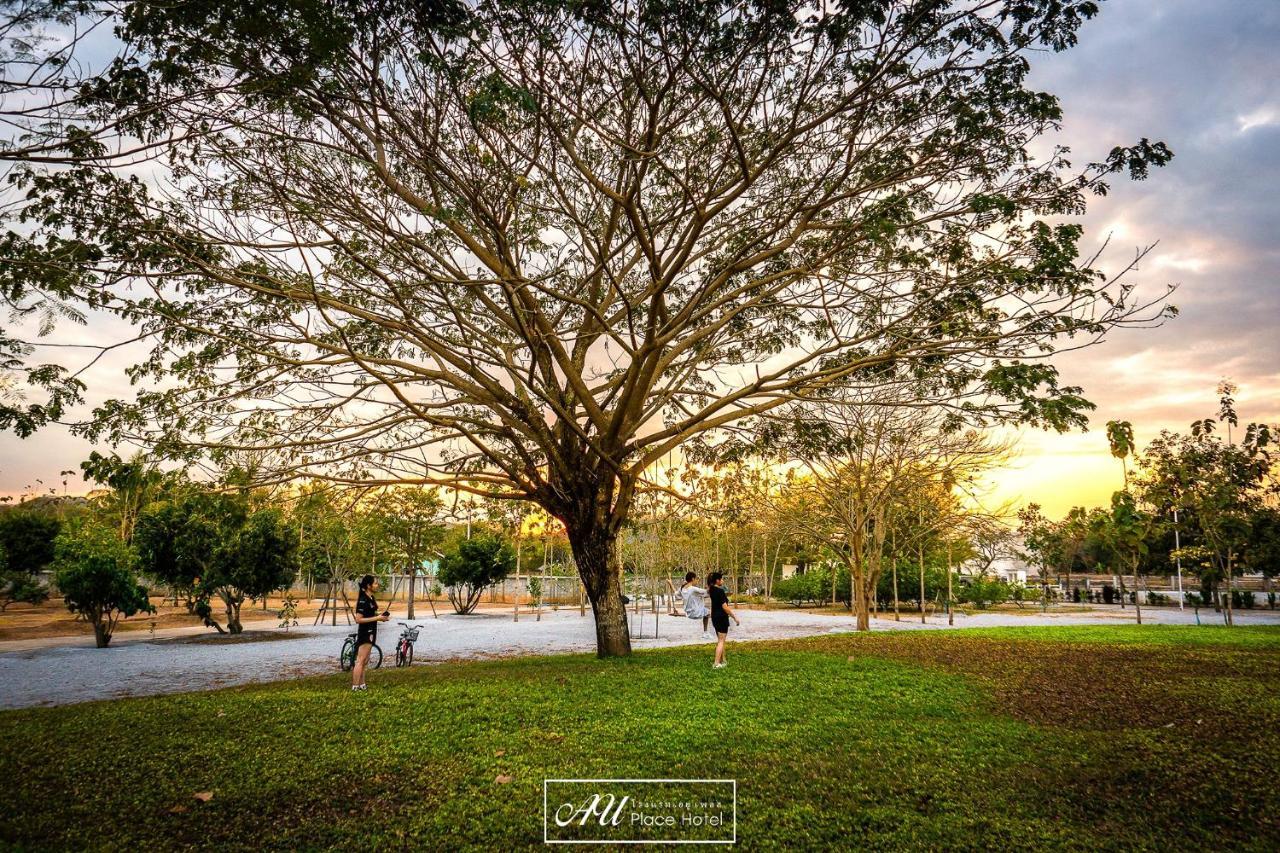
(1200, 76)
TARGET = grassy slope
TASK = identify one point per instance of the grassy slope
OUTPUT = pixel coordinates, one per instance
(1072, 737)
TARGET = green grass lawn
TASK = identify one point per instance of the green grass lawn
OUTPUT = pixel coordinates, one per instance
(1116, 737)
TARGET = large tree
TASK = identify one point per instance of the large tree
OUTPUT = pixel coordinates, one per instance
(528, 248)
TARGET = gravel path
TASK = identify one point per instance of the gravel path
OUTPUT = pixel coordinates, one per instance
(74, 671)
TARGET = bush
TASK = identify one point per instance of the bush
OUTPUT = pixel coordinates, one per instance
(797, 589)
(984, 593)
(1156, 598)
(813, 586)
(476, 564)
(1242, 598)
(1194, 599)
(96, 576)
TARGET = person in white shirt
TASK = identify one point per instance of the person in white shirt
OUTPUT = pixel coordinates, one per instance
(695, 607)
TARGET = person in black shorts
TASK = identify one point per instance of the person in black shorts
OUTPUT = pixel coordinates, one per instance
(721, 613)
(367, 619)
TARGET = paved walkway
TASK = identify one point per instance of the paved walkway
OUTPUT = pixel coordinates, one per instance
(58, 671)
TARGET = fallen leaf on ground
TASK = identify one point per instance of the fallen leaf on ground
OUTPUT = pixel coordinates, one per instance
(499, 753)
(203, 796)
(177, 810)
(503, 779)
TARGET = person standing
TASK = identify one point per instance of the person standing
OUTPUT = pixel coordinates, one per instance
(721, 613)
(367, 619)
(694, 605)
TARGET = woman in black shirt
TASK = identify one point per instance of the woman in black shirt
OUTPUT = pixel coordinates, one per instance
(721, 613)
(367, 619)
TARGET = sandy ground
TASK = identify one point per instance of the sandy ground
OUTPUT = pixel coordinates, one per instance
(58, 671)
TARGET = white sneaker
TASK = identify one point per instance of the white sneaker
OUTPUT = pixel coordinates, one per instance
(719, 665)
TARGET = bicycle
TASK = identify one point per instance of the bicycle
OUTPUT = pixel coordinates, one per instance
(404, 645)
(347, 658)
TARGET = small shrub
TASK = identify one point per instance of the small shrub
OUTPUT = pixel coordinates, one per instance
(1242, 598)
(289, 612)
(476, 564)
(985, 593)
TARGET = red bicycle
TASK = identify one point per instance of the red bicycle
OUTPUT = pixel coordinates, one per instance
(404, 645)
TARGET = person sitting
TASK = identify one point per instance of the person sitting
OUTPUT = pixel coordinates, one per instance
(694, 605)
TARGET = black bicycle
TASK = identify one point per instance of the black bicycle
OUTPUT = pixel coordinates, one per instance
(348, 657)
(404, 645)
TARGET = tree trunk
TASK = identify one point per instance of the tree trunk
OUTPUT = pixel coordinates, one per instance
(920, 555)
(1137, 595)
(233, 614)
(413, 582)
(1230, 606)
(864, 612)
(594, 551)
(101, 633)
(951, 616)
(897, 616)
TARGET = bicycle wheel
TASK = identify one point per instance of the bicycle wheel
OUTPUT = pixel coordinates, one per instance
(375, 656)
(408, 654)
(399, 655)
(347, 658)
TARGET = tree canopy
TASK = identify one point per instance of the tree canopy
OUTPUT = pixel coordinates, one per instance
(529, 248)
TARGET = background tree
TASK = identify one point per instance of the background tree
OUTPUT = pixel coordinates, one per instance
(1045, 545)
(867, 467)
(96, 577)
(17, 585)
(1127, 531)
(1221, 486)
(27, 538)
(390, 244)
(1120, 437)
(409, 519)
(474, 565)
(216, 544)
(132, 485)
